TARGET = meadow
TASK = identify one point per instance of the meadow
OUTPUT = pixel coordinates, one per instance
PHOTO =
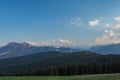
(77, 77)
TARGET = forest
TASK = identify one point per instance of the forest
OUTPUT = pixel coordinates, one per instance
(60, 64)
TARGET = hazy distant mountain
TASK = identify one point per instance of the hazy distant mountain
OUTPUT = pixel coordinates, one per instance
(106, 49)
(15, 49)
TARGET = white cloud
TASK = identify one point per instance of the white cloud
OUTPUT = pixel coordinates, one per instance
(117, 19)
(109, 37)
(110, 33)
(107, 25)
(116, 26)
(58, 42)
(94, 23)
(2, 44)
(33, 43)
(76, 21)
(64, 42)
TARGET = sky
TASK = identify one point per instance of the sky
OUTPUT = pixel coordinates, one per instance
(60, 22)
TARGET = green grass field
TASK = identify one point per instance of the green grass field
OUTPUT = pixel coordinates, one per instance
(83, 77)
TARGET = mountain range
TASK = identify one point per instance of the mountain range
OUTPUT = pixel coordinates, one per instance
(106, 49)
(14, 49)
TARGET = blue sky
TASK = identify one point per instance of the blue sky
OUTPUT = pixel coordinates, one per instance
(60, 22)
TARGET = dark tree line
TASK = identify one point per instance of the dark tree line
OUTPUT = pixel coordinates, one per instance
(73, 65)
(77, 69)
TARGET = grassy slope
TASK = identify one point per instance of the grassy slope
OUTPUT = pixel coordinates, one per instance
(84, 77)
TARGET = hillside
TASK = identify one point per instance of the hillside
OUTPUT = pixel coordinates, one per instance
(29, 65)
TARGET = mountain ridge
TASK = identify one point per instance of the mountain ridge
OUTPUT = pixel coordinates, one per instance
(106, 49)
(14, 49)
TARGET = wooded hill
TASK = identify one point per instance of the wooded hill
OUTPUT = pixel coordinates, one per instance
(56, 63)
